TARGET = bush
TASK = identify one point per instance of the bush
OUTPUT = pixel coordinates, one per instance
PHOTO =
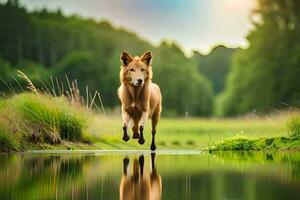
(293, 126)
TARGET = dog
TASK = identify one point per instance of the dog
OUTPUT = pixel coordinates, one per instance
(140, 98)
(138, 185)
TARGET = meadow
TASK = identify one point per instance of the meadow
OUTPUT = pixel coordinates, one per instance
(31, 121)
(193, 133)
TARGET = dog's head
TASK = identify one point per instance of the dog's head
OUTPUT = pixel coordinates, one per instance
(136, 70)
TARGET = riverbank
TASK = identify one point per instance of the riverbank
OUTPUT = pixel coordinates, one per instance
(31, 121)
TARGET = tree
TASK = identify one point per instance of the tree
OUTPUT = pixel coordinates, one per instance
(265, 76)
(216, 65)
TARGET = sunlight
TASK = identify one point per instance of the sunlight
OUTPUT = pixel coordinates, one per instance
(235, 7)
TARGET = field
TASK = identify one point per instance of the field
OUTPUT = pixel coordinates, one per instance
(40, 121)
(189, 133)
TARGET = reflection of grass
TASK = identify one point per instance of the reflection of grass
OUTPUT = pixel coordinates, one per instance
(36, 176)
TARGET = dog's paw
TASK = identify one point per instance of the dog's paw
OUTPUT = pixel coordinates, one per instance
(136, 136)
(125, 138)
(153, 147)
(141, 140)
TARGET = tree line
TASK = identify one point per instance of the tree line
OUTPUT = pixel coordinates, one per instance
(225, 82)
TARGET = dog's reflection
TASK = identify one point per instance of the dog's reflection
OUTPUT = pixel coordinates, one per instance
(140, 186)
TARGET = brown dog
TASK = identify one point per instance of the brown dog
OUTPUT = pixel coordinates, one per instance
(140, 98)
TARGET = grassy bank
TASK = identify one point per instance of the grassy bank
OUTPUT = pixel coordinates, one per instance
(40, 121)
(291, 141)
(28, 120)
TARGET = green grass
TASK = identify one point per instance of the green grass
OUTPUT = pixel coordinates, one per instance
(255, 144)
(31, 121)
(7, 141)
(51, 114)
(194, 133)
(293, 126)
(40, 119)
(292, 141)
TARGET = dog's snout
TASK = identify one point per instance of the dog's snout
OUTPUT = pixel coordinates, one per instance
(140, 81)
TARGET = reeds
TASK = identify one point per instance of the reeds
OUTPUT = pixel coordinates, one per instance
(30, 85)
(57, 89)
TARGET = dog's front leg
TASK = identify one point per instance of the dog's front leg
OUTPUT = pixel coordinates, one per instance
(126, 120)
(141, 126)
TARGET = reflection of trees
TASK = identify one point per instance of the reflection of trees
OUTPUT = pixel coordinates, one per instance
(41, 176)
(231, 176)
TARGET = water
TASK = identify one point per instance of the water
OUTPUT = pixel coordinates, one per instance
(140, 175)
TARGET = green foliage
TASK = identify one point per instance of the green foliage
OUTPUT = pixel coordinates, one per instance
(293, 126)
(265, 75)
(216, 65)
(89, 52)
(184, 90)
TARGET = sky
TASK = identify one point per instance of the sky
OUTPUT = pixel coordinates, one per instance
(193, 24)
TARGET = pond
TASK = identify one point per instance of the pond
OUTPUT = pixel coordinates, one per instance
(170, 175)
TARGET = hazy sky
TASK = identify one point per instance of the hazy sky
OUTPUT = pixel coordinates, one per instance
(193, 24)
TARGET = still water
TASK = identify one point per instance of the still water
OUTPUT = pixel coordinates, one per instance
(142, 175)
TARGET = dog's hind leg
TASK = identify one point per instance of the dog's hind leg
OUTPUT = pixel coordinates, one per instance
(127, 123)
(154, 118)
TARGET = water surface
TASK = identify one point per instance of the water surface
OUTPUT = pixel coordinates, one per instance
(141, 175)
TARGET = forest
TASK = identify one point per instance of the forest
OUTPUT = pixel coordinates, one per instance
(226, 82)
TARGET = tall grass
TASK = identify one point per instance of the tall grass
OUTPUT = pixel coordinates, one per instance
(51, 114)
(7, 141)
(293, 126)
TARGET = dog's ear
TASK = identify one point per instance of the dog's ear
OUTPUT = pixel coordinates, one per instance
(147, 58)
(125, 58)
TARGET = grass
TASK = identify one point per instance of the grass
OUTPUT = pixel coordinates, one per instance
(291, 141)
(7, 141)
(31, 121)
(191, 133)
(52, 115)
(293, 126)
(46, 122)
(40, 119)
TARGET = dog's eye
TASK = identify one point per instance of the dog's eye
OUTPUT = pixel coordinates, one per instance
(132, 70)
(143, 70)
